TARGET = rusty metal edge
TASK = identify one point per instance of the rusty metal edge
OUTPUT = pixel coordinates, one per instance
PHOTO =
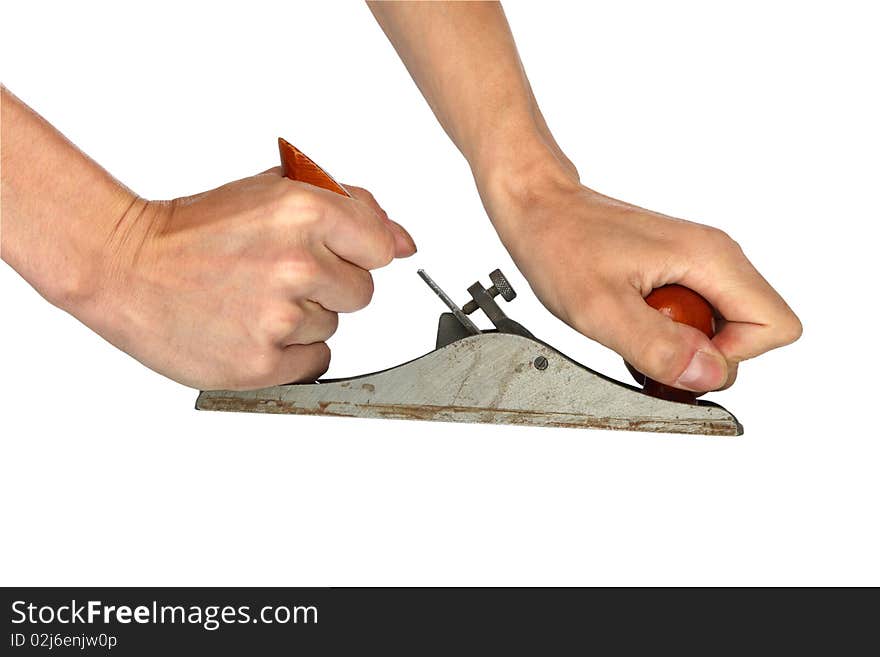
(516, 417)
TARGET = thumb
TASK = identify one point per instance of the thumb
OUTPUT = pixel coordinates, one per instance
(667, 351)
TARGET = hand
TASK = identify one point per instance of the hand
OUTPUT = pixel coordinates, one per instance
(589, 258)
(592, 259)
(239, 287)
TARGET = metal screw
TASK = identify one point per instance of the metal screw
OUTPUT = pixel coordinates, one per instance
(500, 286)
(541, 363)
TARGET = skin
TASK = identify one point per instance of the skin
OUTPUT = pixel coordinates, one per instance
(240, 287)
(463, 58)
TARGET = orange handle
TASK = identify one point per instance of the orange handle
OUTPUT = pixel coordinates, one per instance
(299, 166)
(682, 305)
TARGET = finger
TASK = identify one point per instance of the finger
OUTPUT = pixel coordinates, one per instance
(732, 365)
(739, 341)
(354, 232)
(669, 352)
(341, 286)
(302, 362)
(404, 245)
(316, 324)
(732, 370)
(365, 196)
(292, 364)
(757, 319)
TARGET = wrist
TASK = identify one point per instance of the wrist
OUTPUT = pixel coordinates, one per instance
(60, 210)
(519, 173)
(101, 252)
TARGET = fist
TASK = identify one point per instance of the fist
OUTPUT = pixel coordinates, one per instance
(240, 287)
(592, 260)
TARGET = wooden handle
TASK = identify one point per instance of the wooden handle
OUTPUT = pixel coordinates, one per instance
(299, 166)
(682, 305)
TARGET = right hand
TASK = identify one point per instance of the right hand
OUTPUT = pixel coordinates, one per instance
(238, 287)
(592, 260)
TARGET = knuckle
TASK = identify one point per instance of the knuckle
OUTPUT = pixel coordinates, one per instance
(714, 234)
(278, 323)
(297, 273)
(323, 359)
(381, 239)
(386, 252)
(381, 251)
(258, 369)
(332, 325)
(299, 207)
(710, 243)
(364, 291)
(366, 194)
(720, 240)
(286, 196)
(308, 363)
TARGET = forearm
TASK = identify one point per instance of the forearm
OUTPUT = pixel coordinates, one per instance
(464, 60)
(59, 208)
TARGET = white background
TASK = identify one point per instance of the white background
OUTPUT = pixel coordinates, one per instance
(759, 118)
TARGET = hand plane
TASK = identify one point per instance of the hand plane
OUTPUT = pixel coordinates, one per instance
(504, 375)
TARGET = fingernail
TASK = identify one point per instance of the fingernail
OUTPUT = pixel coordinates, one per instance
(705, 372)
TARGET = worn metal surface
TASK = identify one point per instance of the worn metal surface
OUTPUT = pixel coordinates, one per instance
(459, 314)
(488, 378)
(449, 329)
